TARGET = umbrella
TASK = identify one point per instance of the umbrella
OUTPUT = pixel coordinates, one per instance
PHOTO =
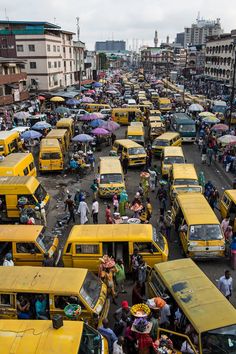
(96, 123)
(206, 114)
(112, 92)
(91, 116)
(57, 99)
(97, 115)
(110, 125)
(90, 92)
(41, 126)
(100, 131)
(62, 110)
(227, 139)
(87, 100)
(83, 138)
(41, 98)
(211, 120)
(220, 127)
(31, 134)
(72, 102)
(97, 84)
(195, 107)
(22, 115)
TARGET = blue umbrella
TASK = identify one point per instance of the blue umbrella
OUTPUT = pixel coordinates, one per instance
(97, 84)
(41, 126)
(62, 110)
(72, 102)
(31, 134)
(96, 123)
(83, 138)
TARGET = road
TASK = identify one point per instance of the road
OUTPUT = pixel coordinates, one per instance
(59, 185)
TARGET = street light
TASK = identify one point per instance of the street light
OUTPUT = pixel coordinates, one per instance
(233, 85)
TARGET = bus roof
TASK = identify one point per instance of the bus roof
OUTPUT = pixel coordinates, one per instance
(196, 295)
(20, 232)
(196, 209)
(42, 279)
(232, 194)
(39, 337)
(106, 232)
(109, 164)
(13, 159)
(66, 121)
(184, 170)
(56, 133)
(167, 136)
(173, 151)
(17, 180)
(135, 129)
(128, 143)
(7, 134)
(126, 109)
(49, 143)
(157, 124)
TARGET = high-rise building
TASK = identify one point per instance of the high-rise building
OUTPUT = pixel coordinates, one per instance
(110, 46)
(180, 39)
(199, 31)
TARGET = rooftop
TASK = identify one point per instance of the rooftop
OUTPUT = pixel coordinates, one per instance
(30, 23)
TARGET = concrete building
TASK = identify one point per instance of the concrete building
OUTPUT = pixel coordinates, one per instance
(90, 65)
(160, 59)
(180, 39)
(199, 31)
(12, 81)
(47, 49)
(79, 49)
(220, 57)
(110, 46)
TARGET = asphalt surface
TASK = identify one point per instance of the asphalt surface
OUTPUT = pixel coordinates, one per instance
(58, 185)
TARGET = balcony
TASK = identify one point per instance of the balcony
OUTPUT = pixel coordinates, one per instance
(10, 79)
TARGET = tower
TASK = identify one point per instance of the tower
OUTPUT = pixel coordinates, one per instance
(155, 40)
(78, 28)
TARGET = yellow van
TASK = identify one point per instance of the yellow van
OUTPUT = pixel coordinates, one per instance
(62, 136)
(27, 243)
(164, 104)
(199, 304)
(111, 178)
(50, 156)
(183, 179)
(126, 115)
(135, 153)
(228, 206)
(95, 107)
(166, 139)
(10, 142)
(59, 286)
(155, 112)
(155, 129)
(12, 189)
(135, 133)
(18, 164)
(171, 155)
(68, 124)
(199, 229)
(43, 337)
(87, 243)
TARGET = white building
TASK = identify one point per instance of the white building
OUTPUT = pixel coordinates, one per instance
(79, 48)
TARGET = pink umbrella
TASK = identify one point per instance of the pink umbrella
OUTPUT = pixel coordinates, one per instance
(91, 116)
(87, 100)
(97, 115)
(100, 131)
(220, 127)
(110, 125)
(90, 91)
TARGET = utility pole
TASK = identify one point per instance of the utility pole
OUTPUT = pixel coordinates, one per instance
(233, 85)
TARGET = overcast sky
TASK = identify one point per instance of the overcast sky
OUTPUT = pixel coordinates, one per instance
(132, 20)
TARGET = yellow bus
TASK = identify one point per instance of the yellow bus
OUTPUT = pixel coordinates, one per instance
(50, 156)
(126, 115)
(198, 227)
(171, 155)
(95, 107)
(68, 124)
(166, 139)
(10, 142)
(155, 128)
(62, 136)
(164, 104)
(183, 179)
(135, 133)
(228, 206)
(59, 286)
(43, 337)
(135, 153)
(27, 243)
(111, 177)
(199, 305)
(87, 243)
(18, 164)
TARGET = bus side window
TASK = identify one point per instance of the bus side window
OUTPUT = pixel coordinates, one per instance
(61, 301)
(68, 249)
(27, 247)
(26, 171)
(6, 300)
(146, 247)
(158, 285)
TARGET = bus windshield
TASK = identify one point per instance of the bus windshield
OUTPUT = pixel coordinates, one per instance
(91, 341)
(221, 340)
(188, 128)
(158, 238)
(91, 289)
(40, 193)
(169, 160)
(183, 181)
(111, 178)
(135, 137)
(205, 232)
(136, 151)
(161, 143)
(45, 241)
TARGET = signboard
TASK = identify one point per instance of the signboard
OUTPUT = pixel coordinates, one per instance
(16, 94)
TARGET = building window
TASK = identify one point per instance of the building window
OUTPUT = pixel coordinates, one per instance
(33, 65)
(55, 64)
(49, 65)
(48, 47)
(54, 48)
(31, 47)
(59, 64)
(58, 48)
(20, 48)
(64, 49)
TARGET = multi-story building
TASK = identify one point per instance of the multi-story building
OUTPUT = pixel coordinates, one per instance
(12, 81)
(110, 46)
(220, 57)
(153, 58)
(48, 51)
(91, 64)
(199, 31)
(79, 48)
(180, 39)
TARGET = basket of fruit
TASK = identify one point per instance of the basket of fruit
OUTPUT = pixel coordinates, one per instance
(72, 311)
(140, 310)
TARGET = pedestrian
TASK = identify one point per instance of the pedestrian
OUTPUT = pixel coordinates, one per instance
(108, 333)
(115, 203)
(155, 323)
(125, 163)
(8, 262)
(142, 275)
(210, 153)
(152, 180)
(48, 261)
(120, 276)
(42, 211)
(94, 188)
(70, 205)
(225, 284)
(224, 224)
(168, 223)
(162, 206)
(148, 209)
(137, 297)
(83, 211)
(228, 240)
(109, 281)
(204, 154)
(213, 198)
(95, 210)
(108, 215)
(135, 259)
(118, 345)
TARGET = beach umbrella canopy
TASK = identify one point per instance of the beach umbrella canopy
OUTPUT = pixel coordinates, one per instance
(57, 99)
(100, 131)
(227, 139)
(195, 107)
(206, 114)
(96, 123)
(220, 127)
(41, 126)
(211, 120)
(87, 100)
(83, 138)
(31, 134)
(22, 115)
(72, 102)
(110, 125)
(62, 110)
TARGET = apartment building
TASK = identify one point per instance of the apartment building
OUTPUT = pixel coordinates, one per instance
(199, 31)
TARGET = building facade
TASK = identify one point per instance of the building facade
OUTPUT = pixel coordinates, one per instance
(110, 46)
(79, 49)
(157, 58)
(199, 31)
(12, 81)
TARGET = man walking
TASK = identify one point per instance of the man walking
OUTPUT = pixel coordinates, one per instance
(226, 284)
(125, 162)
(70, 205)
(95, 209)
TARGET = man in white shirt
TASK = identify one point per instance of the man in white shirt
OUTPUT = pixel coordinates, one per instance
(225, 284)
(164, 316)
(8, 262)
(95, 209)
(118, 346)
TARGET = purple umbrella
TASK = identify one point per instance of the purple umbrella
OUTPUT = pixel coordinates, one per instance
(110, 125)
(97, 115)
(87, 100)
(100, 131)
(91, 116)
(82, 138)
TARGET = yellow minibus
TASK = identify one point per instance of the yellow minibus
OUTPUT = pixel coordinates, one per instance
(198, 227)
(111, 177)
(164, 104)
(228, 206)
(18, 164)
(58, 287)
(166, 139)
(198, 306)
(171, 155)
(62, 136)
(68, 124)
(10, 142)
(126, 115)
(135, 153)
(87, 243)
(183, 179)
(155, 129)
(95, 107)
(135, 133)
(50, 156)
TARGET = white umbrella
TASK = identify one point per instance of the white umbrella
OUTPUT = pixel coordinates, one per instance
(195, 107)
